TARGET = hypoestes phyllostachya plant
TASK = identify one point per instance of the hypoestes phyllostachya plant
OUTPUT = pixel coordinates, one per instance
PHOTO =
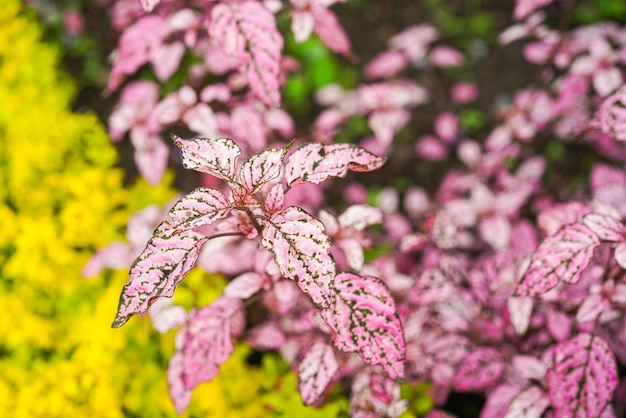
(359, 311)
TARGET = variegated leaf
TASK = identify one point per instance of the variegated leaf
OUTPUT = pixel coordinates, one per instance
(364, 317)
(208, 341)
(202, 206)
(315, 371)
(583, 377)
(211, 156)
(560, 258)
(247, 31)
(275, 198)
(178, 392)
(261, 168)
(301, 251)
(529, 403)
(606, 227)
(315, 162)
(479, 370)
(156, 272)
(360, 216)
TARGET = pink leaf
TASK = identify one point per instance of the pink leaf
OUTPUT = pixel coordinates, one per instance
(315, 162)
(261, 168)
(148, 5)
(479, 370)
(315, 371)
(329, 30)
(529, 403)
(359, 217)
(275, 198)
(247, 31)
(364, 318)
(244, 285)
(211, 156)
(607, 228)
(620, 254)
(178, 392)
(583, 377)
(202, 206)
(559, 258)
(157, 271)
(166, 316)
(208, 341)
(300, 249)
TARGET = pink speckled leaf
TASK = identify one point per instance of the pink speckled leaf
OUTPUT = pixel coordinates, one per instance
(315, 162)
(178, 392)
(607, 228)
(559, 258)
(479, 370)
(529, 403)
(208, 341)
(359, 217)
(329, 30)
(261, 168)
(202, 206)
(247, 31)
(275, 198)
(301, 251)
(583, 377)
(212, 156)
(315, 371)
(364, 318)
(156, 272)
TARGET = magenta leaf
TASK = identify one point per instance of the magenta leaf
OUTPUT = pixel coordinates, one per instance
(560, 258)
(261, 168)
(315, 162)
(301, 251)
(315, 371)
(364, 318)
(479, 370)
(156, 272)
(529, 403)
(211, 156)
(208, 341)
(606, 227)
(583, 377)
(202, 206)
(247, 31)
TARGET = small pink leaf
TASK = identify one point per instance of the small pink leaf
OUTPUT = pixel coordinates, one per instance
(583, 377)
(529, 403)
(607, 228)
(559, 258)
(479, 370)
(315, 162)
(329, 30)
(212, 156)
(364, 318)
(300, 249)
(261, 168)
(520, 308)
(202, 206)
(178, 392)
(359, 217)
(156, 272)
(208, 341)
(247, 31)
(315, 371)
(244, 285)
(275, 198)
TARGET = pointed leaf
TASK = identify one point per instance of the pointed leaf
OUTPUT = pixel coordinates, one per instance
(275, 198)
(559, 258)
(364, 318)
(584, 375)
(479, 370)
(156, 272)
(315, 371)
(329, 30)
(247, 31)
(202, 206)
(301, 251)
(607, 228)
(208, 341)
(520, 308)
(315, 162)
(529, 403)
(261, 168)
(211, 156)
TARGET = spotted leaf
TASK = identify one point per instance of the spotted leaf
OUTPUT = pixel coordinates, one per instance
(178, 392)
(211, 156)
(364, 318)
(156, 272)
(261, 168)
(560, 258)
(315, 371)
(202, 206)
(529, 403)
(247, 31)
(479, 370)
(606, 227)
(583, 377)
(315, 162)
(301, 251)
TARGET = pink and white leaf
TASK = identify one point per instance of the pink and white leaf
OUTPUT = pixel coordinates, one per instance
(178, 392)
(261, 168)
(302, 24)
(559, 258)
(315, 162)
(212, 156)
(530, 403)
(247, 31)
(156, 272)
(330, 31)
(520, 308)
(208, 341)
(301, 251)
(315, 371)
(359, 217)
(203, 206)
(607, 228)
(267, 336)
(166, 316)
(244, 285)
(583, 377)
(479, 370)
(620, 254)
(364, 317)
(275, 198)
(593, 305)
